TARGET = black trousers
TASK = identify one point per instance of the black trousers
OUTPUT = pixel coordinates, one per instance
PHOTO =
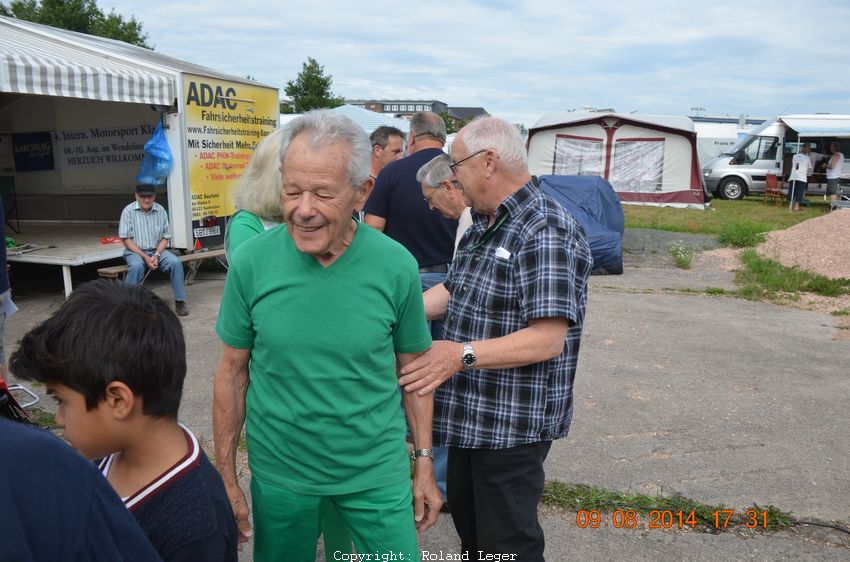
(494, 495)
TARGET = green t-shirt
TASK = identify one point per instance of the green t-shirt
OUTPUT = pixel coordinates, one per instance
(323, 406)
(242, 226)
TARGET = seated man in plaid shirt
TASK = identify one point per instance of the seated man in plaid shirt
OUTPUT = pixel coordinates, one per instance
(513, 304)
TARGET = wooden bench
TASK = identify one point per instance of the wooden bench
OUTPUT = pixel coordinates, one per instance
(192, 261)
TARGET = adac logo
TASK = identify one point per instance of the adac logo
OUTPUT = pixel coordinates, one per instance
(204, 95)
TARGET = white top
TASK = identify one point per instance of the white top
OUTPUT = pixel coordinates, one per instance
(801, 167)
(835, 173)
(463, 223)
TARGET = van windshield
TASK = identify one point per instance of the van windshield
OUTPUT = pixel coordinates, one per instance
(746, 140)
(756, 148)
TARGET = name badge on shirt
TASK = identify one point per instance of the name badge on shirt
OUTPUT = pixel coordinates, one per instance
(502, 253)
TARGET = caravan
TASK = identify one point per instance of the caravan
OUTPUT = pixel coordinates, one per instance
(769, 149)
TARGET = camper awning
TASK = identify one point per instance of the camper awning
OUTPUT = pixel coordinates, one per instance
(33, 63)
(825, 126)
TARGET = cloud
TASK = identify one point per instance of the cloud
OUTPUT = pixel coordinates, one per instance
(522, 59)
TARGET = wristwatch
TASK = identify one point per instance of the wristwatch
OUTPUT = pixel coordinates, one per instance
(422, 453)
(468, 359)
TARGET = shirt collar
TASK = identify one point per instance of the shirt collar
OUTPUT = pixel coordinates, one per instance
(516, 202)
(138, 207)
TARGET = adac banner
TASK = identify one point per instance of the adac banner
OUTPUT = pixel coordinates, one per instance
(224, 123)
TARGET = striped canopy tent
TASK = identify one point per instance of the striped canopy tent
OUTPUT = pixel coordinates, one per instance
(41, 60)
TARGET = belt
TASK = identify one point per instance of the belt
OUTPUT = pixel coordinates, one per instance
(442, 268)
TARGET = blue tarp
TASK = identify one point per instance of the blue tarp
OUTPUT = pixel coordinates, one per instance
(594, 205)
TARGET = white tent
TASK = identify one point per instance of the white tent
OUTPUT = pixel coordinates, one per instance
(75, 113)
(371, 120)
(649, 159)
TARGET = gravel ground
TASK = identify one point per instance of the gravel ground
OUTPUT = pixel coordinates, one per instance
(820, 245)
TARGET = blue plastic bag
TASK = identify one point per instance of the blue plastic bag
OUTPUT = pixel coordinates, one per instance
(157, 161)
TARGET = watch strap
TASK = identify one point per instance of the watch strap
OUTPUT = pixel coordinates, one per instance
(422, 453)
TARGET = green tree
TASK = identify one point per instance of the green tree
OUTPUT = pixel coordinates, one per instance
(453, 124)
(78, 15)
(311, 89)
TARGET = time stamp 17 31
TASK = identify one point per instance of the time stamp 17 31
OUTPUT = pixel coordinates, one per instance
(669, 519)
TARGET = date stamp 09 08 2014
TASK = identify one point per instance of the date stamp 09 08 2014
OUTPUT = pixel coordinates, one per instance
(668, 519)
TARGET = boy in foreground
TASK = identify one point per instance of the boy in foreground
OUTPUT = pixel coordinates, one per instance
(114, 358)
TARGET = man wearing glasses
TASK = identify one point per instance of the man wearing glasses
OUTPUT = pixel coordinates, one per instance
(145, 232)
(513, 306)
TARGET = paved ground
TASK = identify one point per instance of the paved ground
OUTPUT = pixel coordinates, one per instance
(719, 399)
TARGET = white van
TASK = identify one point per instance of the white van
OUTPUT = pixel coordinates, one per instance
(769, 149)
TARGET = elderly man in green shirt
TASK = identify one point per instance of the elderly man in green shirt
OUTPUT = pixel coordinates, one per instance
(324, 308)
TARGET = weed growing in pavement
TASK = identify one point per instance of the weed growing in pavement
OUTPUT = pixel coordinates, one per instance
(841, 312)
(743, 234)
(43, 418)
(682, 254)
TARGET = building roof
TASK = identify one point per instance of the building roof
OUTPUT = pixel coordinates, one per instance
(467, 113)
(44, 60)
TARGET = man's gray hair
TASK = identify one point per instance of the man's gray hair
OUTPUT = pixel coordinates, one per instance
(435, 171)
(258, 190)
(428, 123)
(491, 133)
(326, 127)
(381, 135)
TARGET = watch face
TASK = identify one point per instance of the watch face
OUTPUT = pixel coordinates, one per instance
(468, 359)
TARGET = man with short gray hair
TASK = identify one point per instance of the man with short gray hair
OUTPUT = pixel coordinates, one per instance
(513, 304)
(323, 308)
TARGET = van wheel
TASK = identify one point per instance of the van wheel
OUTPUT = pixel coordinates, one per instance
(732, 188)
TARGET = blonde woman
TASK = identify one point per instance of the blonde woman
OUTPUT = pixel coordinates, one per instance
(257, 195)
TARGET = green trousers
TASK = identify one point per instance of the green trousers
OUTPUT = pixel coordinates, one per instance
(379, 521)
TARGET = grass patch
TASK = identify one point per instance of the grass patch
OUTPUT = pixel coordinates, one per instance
(764, 278)
(575, 497)
(841, 312)
(682, 254)
(743, 235)
(721, 213)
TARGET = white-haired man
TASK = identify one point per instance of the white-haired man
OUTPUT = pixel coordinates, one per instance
(513, 304)
(323, 307)
(443, 194)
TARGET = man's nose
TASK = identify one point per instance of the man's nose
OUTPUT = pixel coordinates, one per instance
(306, 205)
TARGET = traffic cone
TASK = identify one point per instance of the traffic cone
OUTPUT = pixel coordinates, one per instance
(197, 244)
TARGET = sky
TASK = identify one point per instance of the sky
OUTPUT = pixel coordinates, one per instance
(522, 60)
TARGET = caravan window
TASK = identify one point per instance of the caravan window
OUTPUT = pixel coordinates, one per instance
(577, 156)
(638, 165)
(757, 148)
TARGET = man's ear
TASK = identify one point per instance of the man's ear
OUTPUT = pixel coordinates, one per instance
(120, 400)
(362, 193)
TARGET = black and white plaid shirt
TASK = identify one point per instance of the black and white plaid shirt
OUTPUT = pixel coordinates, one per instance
(533, 263)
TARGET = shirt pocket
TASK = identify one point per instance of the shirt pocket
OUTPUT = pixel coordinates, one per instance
(497, 290)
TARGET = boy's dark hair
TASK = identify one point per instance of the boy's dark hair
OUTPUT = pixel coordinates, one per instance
(108, 331)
